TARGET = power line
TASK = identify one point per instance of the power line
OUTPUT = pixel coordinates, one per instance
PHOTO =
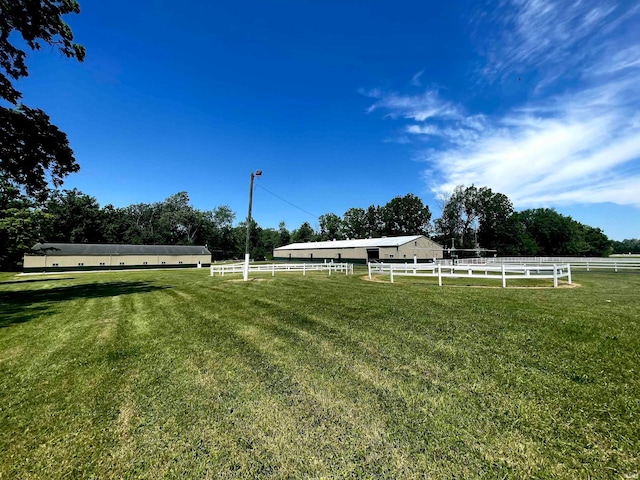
(285, 200)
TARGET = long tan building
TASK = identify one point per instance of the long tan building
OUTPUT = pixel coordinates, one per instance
(387, 249)
(52, 257)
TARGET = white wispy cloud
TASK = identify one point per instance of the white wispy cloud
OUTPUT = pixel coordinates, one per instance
(416, 107)
(415, 80)
(569, 142)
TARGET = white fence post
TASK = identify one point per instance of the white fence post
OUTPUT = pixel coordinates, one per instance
(569, 272)
(211, 271)
(504, 277)
(555, 275)
(615, 265)
(369, 265)
(439, 275)
(391, 273)
(273, 269)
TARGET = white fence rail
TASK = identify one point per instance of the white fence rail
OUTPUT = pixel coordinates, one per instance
(494, 272)
(593, 263)
(346, 268)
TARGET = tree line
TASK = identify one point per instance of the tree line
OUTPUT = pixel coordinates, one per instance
(471, 218)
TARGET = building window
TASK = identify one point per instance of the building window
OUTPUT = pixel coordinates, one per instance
(80, 264)
(180, 262)
(415, 244)
(404, 256)
(102, 264)
(145, 263)
(164, 263)
(55, 265)
(121, 263)
(390, 256)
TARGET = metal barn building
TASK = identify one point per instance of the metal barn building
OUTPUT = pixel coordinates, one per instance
(52, 257)
(387, 249)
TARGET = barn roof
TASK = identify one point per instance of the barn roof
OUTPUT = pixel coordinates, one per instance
(357, 243)
(111, 249)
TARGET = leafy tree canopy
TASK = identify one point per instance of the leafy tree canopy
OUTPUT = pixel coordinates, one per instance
(38, 22)
(32, 147)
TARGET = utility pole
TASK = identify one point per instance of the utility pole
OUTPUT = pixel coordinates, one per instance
(246, 248)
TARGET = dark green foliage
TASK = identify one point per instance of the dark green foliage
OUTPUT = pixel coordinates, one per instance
(21, 225)
(304, 234)
(405, 216)
(354, 223)
(477, 217)
(474, 216)
(74, 218)
(630, 245)
(31, 148)
(331, 227)
(284, 237)
(374, 221)
(557, 234)
(37, 22)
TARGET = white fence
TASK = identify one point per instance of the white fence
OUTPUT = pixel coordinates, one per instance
(494, 272)
(592, 263)
(346, 268)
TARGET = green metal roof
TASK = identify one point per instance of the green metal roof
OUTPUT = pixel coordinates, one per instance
(80, 249)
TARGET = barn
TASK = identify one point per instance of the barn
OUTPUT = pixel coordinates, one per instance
(410, 248)
(52, 257)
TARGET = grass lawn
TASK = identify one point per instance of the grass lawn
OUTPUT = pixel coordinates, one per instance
(174, 373)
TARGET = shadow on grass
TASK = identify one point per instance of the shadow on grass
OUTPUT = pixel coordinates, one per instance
(25, 305)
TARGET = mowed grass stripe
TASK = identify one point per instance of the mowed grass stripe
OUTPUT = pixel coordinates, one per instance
(179, 374)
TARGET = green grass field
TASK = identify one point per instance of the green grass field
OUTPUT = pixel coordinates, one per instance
(177, 374)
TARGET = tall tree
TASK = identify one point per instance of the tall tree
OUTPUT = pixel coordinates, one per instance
(31, 148)
(330, 227)
(354, 223)
(179, 222)
(114, 224)
(374, 222)
(269, 239)
(474, 217)
(284, 237)
(406, 216)
(459, 220)
(551, 231)
(74, 217)
(222, 242)
(21, 226)
(303, 234)
(494, 211)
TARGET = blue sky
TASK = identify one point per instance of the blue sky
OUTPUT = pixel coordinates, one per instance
(347, 104)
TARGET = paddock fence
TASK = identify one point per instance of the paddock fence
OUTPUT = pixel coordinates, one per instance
(582, 263)
(501, 272)
(346, 268)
